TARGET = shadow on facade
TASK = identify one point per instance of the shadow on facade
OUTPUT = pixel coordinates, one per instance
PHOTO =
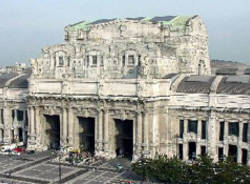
(124, 138)
(52, 131)
(87, 134)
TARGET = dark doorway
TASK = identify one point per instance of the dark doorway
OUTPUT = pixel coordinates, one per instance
(124, 138)
(232, 152)
(52, 131)
(220, 154)
(87, 134)
(191, 150)
(181, 151)
(203, 150)
(20, 134)
(13, 136)
(244, 156)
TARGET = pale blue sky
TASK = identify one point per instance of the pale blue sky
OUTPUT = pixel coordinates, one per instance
(26, 26)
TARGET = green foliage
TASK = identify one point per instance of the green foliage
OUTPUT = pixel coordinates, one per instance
(201, 171)
(230, 172)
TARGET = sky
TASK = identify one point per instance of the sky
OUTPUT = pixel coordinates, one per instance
(26, 26)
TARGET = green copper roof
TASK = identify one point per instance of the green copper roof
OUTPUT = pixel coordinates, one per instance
(179, 21)
(81, 25)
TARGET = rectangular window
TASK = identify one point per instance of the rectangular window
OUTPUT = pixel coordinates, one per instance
(102, 59)
(13, 114)
(245, 131)
(203, 150)
(244, 157)
(94, 60)
(131, 60)
(60, 60)
(139, 58)
(19, 115)
(192, 126)
(220, 154)
(204, 130)
(2, 117)
(233, 129)
(68, 61)
(27, 120)
(55, 61)
(181, 151)
(123, 60)
(1, 135)
(222, 125)
(87, 64)
(181, 128)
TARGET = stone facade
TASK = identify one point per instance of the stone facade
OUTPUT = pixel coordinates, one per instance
(137, 85)
(13, 103)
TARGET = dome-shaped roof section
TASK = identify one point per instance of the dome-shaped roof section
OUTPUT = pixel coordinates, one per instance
(5, 77)
(235, 85)
(22, 81)
(195, 84)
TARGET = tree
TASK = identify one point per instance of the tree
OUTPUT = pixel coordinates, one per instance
(230, 172)
(201, 171)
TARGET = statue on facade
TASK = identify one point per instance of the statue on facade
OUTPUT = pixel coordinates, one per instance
(34, 65)
(144, 68)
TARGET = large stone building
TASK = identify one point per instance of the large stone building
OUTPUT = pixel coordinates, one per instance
(141, 86)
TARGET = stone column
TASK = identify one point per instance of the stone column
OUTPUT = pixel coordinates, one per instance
(185, 141)
(64, 124)
(37, 121)
(239, 151)
(7, 124)
(1, 118)
(198, 146)
(138, 139)
(100, 131)
(248, 140)
(248, 157)
(225, 131)
(226, 138)
(32, 122)
(31, 134)
(212, 135)
(154, 134)
(199, 127)
(71, 127)
(1, 135)
(239, 154)
(106, 131)
(15, 126)
(145, 134)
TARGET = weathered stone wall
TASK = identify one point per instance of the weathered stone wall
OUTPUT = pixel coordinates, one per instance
(119, 48)
(119, 69)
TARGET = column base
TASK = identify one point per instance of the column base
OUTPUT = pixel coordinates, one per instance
(7, 140)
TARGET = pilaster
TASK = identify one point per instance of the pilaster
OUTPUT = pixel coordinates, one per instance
(7, 124)
(138, 143)
(106, 131)
(145, 134)
(212, 135)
